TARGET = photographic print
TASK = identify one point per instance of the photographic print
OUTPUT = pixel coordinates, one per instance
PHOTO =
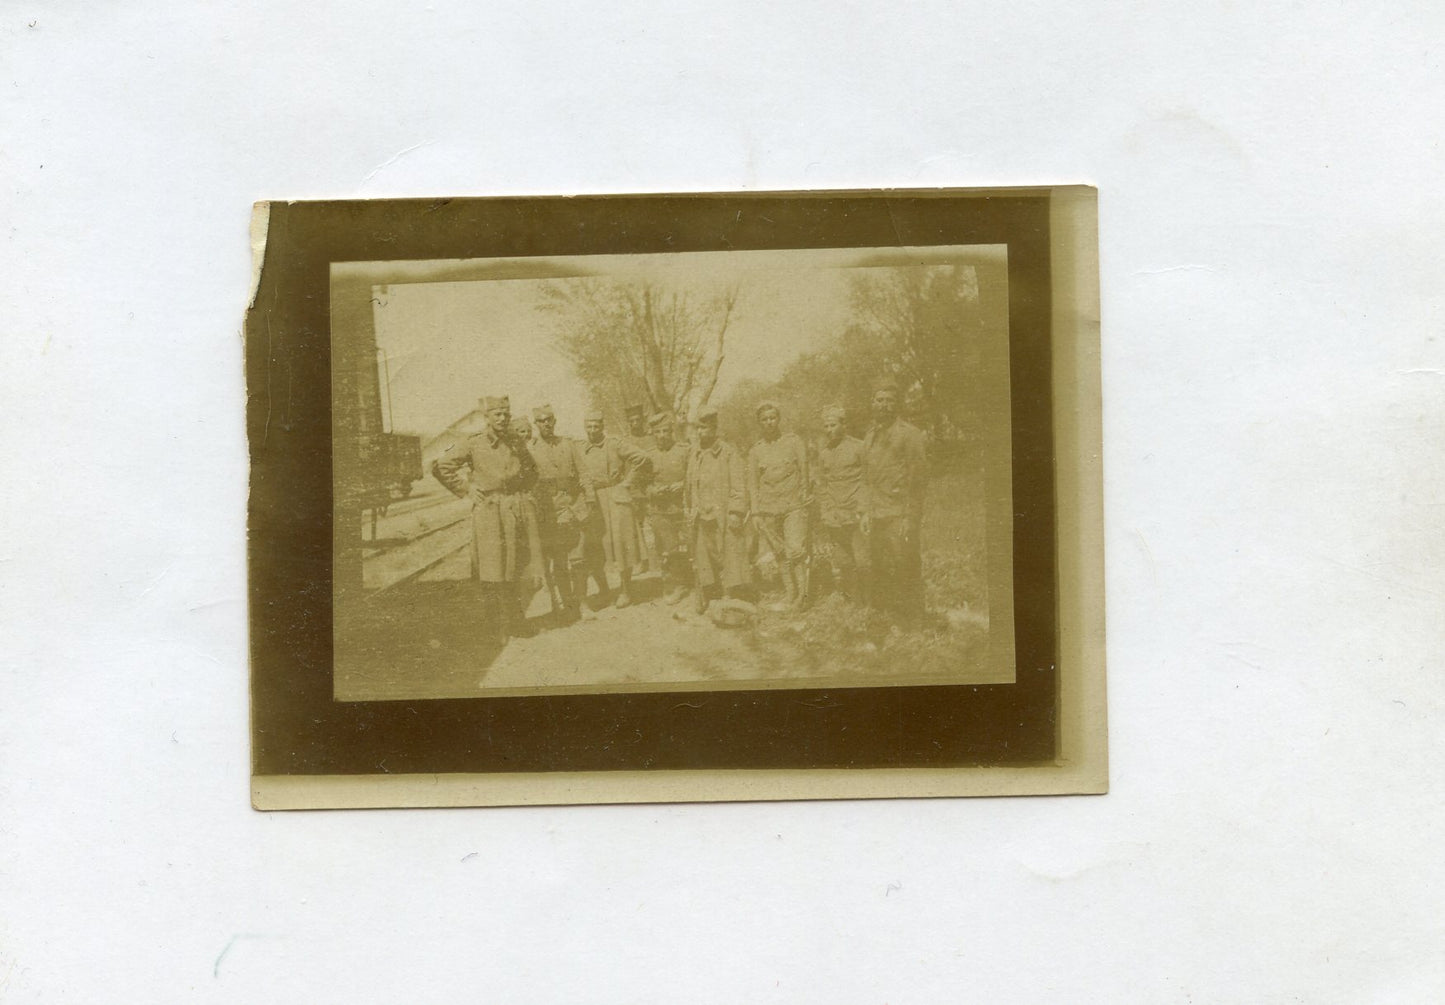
(674, 497)
(671, 472)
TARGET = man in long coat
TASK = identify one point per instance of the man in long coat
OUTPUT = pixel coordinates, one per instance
(565, 504)
(617, 470)
(715, 502)
(895, 473)
(494, 470)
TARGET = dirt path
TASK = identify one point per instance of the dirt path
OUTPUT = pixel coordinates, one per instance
(645, 644)
(429, 639)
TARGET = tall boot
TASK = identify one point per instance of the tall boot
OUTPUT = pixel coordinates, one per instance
(565, 589)
(599, 573)
(790, 585)
(577, 575)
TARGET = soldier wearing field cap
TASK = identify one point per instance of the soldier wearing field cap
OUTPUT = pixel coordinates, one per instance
(664, 506)
(894, 478)
(494, 470)
(715, 504)
(565, 505)
(838, 487)
(617, 470)
(778, 492)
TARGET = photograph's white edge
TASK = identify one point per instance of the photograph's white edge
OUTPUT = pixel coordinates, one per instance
(1081, 766)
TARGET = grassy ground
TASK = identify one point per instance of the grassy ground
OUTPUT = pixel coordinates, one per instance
(952, 636)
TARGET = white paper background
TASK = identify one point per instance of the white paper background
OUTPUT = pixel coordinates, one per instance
(1273, 228)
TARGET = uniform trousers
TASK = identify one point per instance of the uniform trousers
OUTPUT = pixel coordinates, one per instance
(848, 554)
(719, 556)
(786, 534)
(897, 565)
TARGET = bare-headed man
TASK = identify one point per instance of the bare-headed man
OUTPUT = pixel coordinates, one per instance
(565, 505)
(895, 475)
(617, 470)
(838, 486)
(778, 494)
(640, 436)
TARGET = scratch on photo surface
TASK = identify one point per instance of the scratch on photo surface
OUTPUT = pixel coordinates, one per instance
(893, 221)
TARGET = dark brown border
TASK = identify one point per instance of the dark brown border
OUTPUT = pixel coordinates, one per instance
(297, 729)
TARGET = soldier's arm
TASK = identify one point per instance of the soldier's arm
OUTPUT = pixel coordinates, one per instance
(528, 476)
(687, 488)
(917, 458)
(639, 465)
(738, 487)
(751, 472)
(450, 469)
(584, 473)
(801, 446)
(863, 496)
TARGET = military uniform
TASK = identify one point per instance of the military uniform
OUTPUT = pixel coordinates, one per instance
(778, 495)
(638, 437)
(563, 508)
(716, 488)
(664, 497)
(497, 473)
(894, 479)
(667, 528)
(838, 487)
(615, 468)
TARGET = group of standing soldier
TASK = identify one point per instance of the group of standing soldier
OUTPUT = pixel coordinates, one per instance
(554, 512)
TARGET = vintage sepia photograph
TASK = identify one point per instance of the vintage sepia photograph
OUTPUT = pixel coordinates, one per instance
(671, 472)
(690, 497)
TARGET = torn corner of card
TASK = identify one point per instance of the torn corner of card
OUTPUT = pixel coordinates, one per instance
(260, 222)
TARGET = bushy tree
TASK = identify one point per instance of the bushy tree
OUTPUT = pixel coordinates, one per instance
(927, 324)
(641, 341)
(921, 325)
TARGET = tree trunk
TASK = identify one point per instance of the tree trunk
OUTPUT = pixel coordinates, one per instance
(729, 299)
